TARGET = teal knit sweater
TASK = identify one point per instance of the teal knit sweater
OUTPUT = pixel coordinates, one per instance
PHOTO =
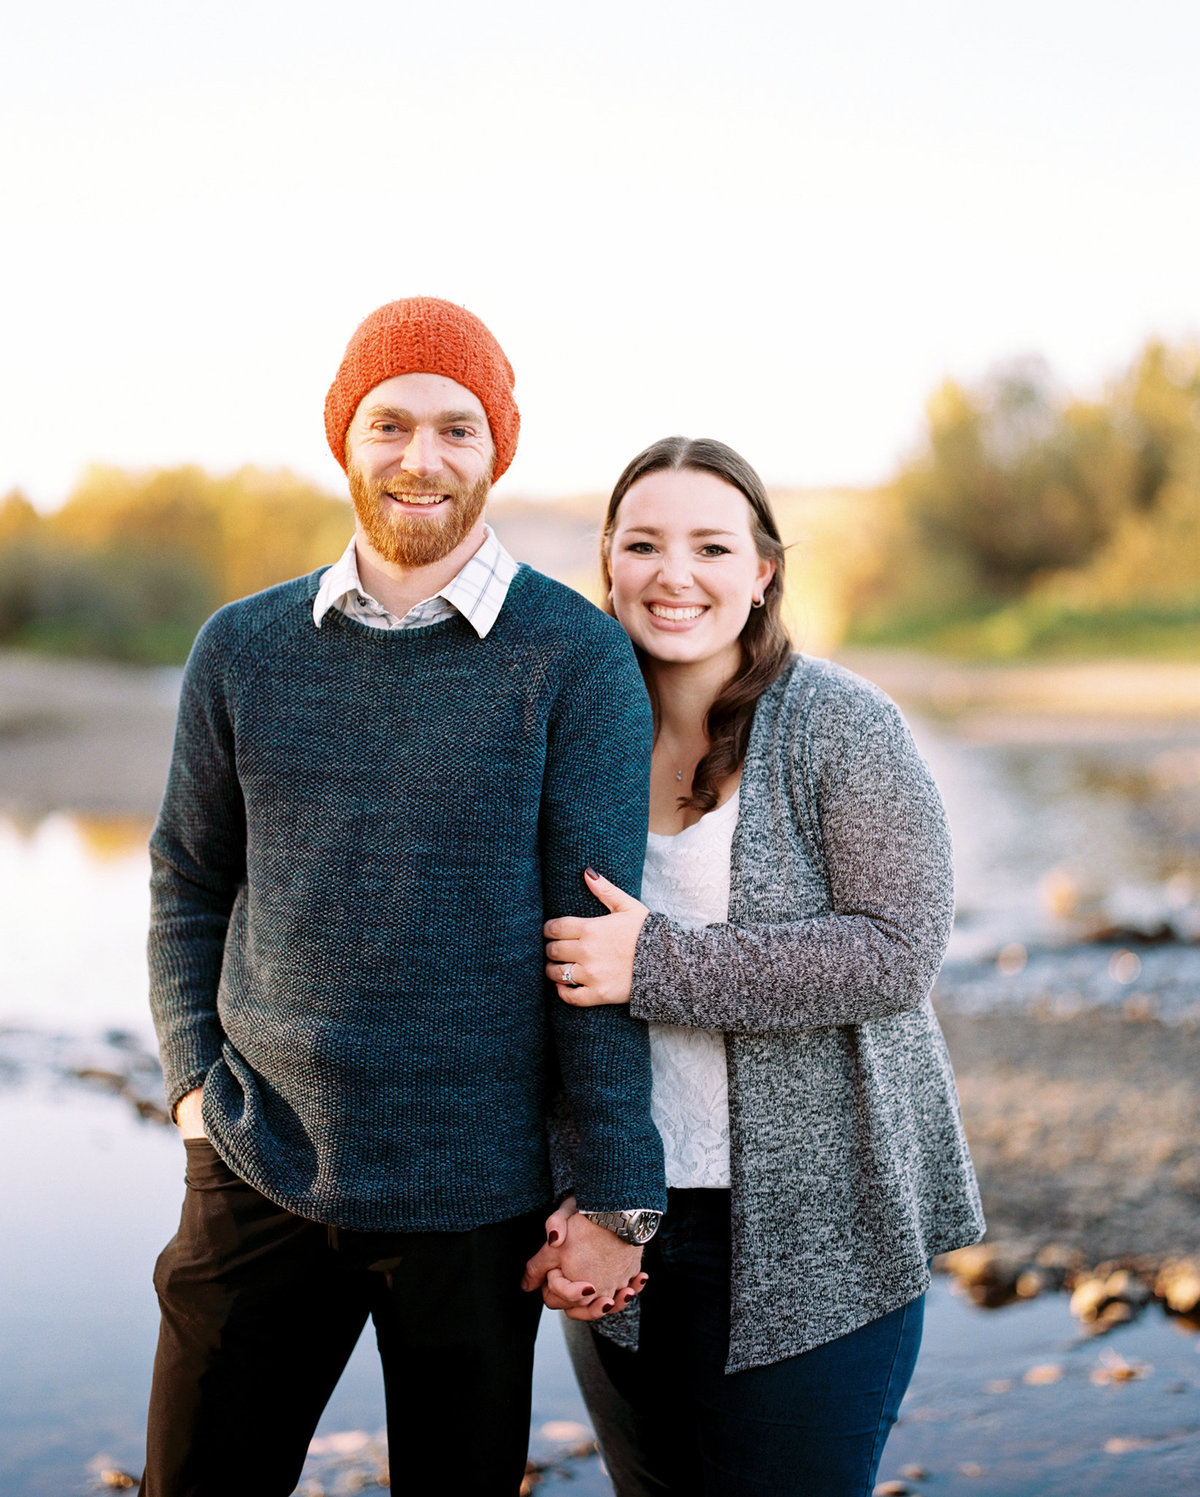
(361, 835)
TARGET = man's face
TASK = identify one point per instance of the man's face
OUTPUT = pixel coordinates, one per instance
(419, 457)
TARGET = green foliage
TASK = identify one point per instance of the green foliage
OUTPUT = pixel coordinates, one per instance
(132, 564)
(1033, 517)
(1034, 629)
(1031, 522)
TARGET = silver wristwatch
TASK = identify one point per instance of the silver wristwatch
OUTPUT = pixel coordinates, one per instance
(633, 1227)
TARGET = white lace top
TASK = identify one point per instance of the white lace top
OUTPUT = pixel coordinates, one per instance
(686, 878)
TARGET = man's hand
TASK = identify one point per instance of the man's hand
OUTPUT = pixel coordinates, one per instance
(584, 1269)
(187, 1114)
(599, 952)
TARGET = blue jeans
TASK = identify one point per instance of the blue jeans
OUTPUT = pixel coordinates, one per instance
(671, 1420)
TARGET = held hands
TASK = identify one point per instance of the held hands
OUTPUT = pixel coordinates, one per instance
(599, 951)
(583, 1269)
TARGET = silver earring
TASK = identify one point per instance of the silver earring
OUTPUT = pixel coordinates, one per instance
(757, 602)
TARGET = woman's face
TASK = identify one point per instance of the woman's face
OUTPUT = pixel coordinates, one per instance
(684, 566)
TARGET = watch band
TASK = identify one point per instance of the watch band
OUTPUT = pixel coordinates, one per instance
(635, 1227)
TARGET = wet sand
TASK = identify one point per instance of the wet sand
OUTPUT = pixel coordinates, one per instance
(83, 736)
(1083, 1130)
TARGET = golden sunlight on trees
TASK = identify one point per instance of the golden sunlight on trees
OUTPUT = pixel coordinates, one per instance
(132, 564)
(1037, 517)
(1028, 520)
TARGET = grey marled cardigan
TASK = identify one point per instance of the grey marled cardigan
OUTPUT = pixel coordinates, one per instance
(848, 1162)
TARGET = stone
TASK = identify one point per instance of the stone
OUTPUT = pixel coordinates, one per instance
(1124, 1285)
(989, 1271)
(1088, 1298)
(1178, 1284)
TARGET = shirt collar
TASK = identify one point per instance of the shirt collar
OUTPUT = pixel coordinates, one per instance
(477, 590)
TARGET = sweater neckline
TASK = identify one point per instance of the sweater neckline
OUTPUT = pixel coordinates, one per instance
(404, 638)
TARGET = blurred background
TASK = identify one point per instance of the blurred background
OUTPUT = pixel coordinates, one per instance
(932, 269)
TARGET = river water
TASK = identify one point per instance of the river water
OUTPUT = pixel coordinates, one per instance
(1055, 838)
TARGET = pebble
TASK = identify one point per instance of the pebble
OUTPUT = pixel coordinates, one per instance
(892, 1489)
(118, 1480)
(564, 1431)
(992, 1271)
(1043, 1374)
(996, 1273)
(1107, 1298)
(1178, 1284)
(1117, 1370)
(1087, 1299)
(1118, 1446)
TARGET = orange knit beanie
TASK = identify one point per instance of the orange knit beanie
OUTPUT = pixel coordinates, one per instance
(424, 335)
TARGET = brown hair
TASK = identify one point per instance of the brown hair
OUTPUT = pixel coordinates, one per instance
(765, 645)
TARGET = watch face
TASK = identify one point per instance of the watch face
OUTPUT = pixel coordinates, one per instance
(644, 1225)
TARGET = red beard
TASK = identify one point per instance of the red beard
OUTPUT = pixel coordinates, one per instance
(412, 541)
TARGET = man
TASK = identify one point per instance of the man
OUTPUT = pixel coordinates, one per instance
(386, 776)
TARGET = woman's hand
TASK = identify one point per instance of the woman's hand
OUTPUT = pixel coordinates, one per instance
(583, 1269)
(599, 952)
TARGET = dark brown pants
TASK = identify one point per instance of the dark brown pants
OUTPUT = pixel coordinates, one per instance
(261, 1310)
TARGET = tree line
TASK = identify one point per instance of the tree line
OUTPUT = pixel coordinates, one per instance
(1024, 514)
(133, 563)
(1028, 511)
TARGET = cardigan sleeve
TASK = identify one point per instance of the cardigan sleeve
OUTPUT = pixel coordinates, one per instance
(880, 831)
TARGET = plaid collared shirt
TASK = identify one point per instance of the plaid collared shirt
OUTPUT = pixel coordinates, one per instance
(477, 592)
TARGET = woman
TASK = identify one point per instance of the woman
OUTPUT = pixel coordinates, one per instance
(799, 874)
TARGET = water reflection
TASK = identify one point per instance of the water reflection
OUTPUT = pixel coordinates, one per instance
(1052, 839)
(74, 905)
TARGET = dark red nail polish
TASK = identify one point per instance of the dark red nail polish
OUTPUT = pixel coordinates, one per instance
(588, 1291)
(590, 873)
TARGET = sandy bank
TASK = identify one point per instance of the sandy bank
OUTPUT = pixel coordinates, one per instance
(86, 736)
(1083, 1130)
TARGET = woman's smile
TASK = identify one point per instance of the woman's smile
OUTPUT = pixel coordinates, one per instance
(675, 615)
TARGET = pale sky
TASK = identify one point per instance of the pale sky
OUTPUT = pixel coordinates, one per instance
(777, 224)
